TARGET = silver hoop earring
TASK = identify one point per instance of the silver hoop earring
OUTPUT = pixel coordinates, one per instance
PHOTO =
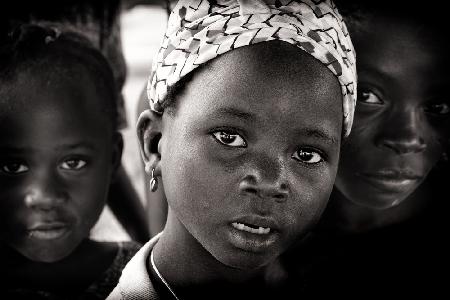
(153, 182)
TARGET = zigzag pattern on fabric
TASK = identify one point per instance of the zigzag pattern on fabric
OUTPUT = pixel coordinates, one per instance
(201, 30)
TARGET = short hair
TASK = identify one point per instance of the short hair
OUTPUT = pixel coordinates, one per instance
(431, 15)
(42, 45)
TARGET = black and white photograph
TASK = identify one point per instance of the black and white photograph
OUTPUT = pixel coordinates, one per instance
(224, 149)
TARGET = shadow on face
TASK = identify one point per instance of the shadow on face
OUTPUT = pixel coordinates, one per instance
(58, 152)
(402, 118)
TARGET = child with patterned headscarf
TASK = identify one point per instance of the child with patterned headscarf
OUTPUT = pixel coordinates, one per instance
(249, 103)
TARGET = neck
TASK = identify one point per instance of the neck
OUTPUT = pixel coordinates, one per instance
(188, 267)
(345, 217)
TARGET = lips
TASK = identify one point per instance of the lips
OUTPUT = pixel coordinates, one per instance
(394, 174)
(48, 230)
(251, 228)
(252, 223)
(254, 233)
(391, 179)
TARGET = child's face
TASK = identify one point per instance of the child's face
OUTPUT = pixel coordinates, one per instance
(402, 116)
(56, 161)
(249, 159)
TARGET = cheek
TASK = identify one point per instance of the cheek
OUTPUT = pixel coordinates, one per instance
(11, 222)
(88, 195)
(436, 137)
(361, 137)
(191, 178)
(90, 204)
(13, 212)
(312, 196)
(366, 124)
(434, 152)
(356, 150)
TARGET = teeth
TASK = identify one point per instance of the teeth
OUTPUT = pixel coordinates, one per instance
(243, 227)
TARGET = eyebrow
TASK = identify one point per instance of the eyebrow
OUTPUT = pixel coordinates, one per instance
(20, 150)
(85, 145)
(319, 133)
(373, 72)
(310, 132)
(235, 112)
(369, 70)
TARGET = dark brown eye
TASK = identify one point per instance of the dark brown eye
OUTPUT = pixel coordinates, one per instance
(73, 164)
(438, 108)
(229, 139)
(14, 168)
(307, 156)
(368, 97)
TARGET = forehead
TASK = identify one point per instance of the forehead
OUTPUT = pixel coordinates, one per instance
(396, 44)
(49, 103)
(50, 86)
(269, 79)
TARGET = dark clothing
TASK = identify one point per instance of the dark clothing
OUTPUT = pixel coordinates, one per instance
(407, 259)
(99, 289)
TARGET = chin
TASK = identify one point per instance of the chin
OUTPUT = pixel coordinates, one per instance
(49, 258)
(380, 203)
(246, 261)
(46, 255)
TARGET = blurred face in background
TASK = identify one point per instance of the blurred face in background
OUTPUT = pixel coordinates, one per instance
(57, 153)
(402, 118)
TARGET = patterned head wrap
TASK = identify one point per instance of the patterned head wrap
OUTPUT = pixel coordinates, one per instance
(200, 30)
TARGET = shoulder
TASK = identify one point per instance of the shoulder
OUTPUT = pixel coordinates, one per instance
(124, 251)
(135, 283)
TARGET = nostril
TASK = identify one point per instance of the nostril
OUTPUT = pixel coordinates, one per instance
(251, 190)
(279, 196)
(266, 189)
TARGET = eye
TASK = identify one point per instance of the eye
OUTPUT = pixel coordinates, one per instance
(438, 108)
(307, 156)
(369, 97)
(229, 139)
(14, 168)
(73, 164)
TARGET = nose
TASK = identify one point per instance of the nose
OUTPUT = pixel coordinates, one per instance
(402, 133)
(44, 195)
(266, 179)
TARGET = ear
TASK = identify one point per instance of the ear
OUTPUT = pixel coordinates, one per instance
(149, 134)
(117, 152)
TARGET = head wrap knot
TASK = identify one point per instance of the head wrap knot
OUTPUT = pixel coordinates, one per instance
(200, 30)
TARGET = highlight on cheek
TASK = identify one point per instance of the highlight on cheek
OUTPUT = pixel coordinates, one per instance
(230, 139)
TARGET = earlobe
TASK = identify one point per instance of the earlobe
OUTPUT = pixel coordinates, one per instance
(149, 134)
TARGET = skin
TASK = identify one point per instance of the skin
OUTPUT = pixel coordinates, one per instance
(56, 164)
(402, 119)
(386, 238)
(231, 151)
